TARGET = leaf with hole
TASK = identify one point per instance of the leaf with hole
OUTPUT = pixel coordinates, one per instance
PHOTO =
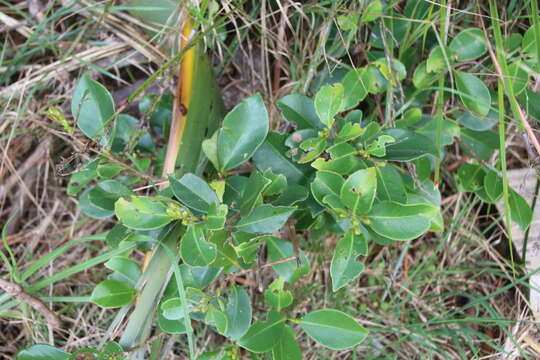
(358, 191)
(345, 267)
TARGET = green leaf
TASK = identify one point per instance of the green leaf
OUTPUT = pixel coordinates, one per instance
(354, 88)
(333, 329)
(399, 221)
(345, 268)
(287, 348)
(475, 123)
(127, 268)
(314, 147)
(520, 211)
(217, 215)
(217, 318)
(112, 294)
(265, 219)
(252, 194)
(326, 183)
(518, 77)
(482, 143)
(471, 176)
(390, 184)
(271, 155)
(195, 250)
(80, 179)
(244, 129)
(528, 44)
(105, 194)
(473, 93)
(469, 44)
(358, 191)
(238, 313)
(408, 145)
(328, 103)
(279, 249)
(42, 352)
(276, 296)
(210, 149)
(142, 213)
(372, 12)
(172, 309)
(92, 106)
(422, 78)
(436, 62)
(493, 186)
(263, 335)
(193, 192)
(300, 110)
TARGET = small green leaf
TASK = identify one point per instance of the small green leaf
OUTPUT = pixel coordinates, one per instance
(473, 93)
(518, 77)
(520, 211)
(252, 194)
(475, 123)
(326, 183)
(333, 329)
(195, 250)
(299, 109)
(287, 348)
(172, 309)
(265, 219)
(469, 44)
(217, 215)
(358, 191)
(399, 221)
(127, 268)
(528, 44)
(112, 294)
(345, 267)
(328, 103)
(314, 147)
(263, 335)
(217, 318)
(480, 143)
(92, 106)
(354, 88)
(142, 213)
(390, 184)
(279, 249)
(372, 12)
(436, 62)
(471, 177)
(276, 296)
(493, 186)
(42, 352)
(193, 192)
(238, 313)
(408, 145)
(422, 78)
(244, 129)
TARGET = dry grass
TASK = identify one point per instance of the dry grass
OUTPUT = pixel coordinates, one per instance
(441, 298)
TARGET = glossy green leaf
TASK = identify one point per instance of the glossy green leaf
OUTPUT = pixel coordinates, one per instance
(195, 250)
(358, 191)
(92, 106)
(333, 329)
(112, 294)
(390, 184)
(142, 213)
(127, 268)
(520, 211)
(290, 271)
(263, 335)
(471, 176)
(325, 183)
(42, 352)
(473, 93)
(193, 192)
(476, 123)
(480, 143)
(345, 267)
(276, 296)
(518, 77)
(287, 348)
(238, 313)
(528, 44)
(355, 88)
(216, 217)
(217, 318)
(271, 155)
(436, 62)
(422, 78)
(314, 147)
(172, 309)
(265, 219)
(252, 194)
(244, 129)
(80, 179)
(469, 44)
(399, 221)
(300, 110)
(408, 145)
(493, 186)
(328, 102)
